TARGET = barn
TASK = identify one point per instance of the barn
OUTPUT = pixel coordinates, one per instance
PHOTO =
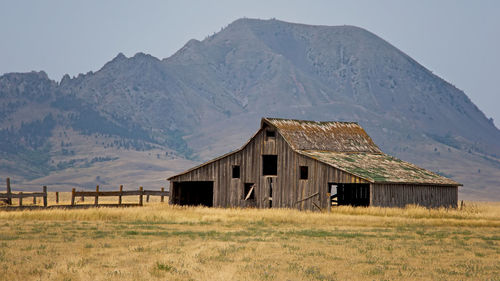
(310, 165)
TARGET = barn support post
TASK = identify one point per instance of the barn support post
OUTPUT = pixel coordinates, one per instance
(172, 193)
(45, 196)
(20, 198)
(120, 196)
(34, 200)
(372, 189)
(73, 197)
(329, 202)
(96, 200)
(162, 190)
(57, 197)
(141, 193)
(9, 192)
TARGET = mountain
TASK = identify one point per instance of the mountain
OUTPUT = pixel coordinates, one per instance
(141, 118)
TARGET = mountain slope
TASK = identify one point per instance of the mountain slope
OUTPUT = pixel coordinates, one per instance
(270, 66)
(208, 98)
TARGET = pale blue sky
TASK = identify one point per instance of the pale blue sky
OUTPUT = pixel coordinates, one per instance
(457, 40)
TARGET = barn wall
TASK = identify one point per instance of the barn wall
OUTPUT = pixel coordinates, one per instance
(400, 195)
(288, 189)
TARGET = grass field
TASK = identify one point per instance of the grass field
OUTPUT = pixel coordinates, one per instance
(162, 242)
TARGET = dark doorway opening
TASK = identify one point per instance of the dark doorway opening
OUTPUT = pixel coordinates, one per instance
(193, 193)
(269, 165)
(353, 194)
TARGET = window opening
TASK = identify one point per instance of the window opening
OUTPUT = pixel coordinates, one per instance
(270, 134)
(270, 165)
(249, 193)
(236, 172)
(304, 172)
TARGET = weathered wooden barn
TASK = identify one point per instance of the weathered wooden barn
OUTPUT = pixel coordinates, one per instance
(308, 165)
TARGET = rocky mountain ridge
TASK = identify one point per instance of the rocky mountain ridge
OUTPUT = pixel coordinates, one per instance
(208, 98)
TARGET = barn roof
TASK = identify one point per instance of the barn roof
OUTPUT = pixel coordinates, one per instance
(327, 136)
(347, 147)
(378, 167)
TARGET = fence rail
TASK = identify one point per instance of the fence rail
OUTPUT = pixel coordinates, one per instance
(9, 195)
(96, 194)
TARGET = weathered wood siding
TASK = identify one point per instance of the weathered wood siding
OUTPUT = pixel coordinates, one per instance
(288, 189)
(400, 195)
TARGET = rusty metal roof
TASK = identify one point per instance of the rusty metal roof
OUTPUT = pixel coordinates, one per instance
(378, 167)
(328, 136)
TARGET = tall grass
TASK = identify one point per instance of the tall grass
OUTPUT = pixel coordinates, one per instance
(473, 214)
(162, 242)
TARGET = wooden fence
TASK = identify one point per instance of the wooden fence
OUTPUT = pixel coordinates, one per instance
(96, 194)
(82, 194)
(20, 195)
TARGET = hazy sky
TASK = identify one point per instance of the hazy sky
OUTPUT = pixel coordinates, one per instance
(457, 40)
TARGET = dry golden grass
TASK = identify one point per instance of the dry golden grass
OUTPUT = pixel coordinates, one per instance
(162, 242)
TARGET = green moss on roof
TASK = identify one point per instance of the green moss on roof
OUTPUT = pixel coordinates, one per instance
(373, 175)
(378, 167)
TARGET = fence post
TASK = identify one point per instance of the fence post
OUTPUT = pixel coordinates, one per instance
(162, 190)
(96, 201)
(57, 197)
(73, 197)
(21, 198)
(140, 196)
(120, 196)
(147, 198)
(45, 196)
(9, 192)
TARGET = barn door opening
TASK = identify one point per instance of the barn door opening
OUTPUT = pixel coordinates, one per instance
(353, 194)
(193, 193)
(332, 188)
